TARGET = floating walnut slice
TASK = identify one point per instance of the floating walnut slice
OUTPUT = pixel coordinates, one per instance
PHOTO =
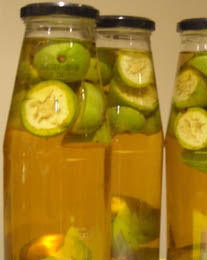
(190, 90)
(135, 69)
(143, 99)
(49, 108)
(191, 128)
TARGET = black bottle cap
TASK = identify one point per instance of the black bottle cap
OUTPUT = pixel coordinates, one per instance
(110, 21)
(192, 24)
(41, 9)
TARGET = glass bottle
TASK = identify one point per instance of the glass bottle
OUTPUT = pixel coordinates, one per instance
(55, 165)
(186, 143)
(133, 116)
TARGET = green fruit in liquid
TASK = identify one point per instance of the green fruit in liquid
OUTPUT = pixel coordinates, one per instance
(135, 69)
(143, 99)
(191, 128)
(91, 109)
(135, 220)
(27, 74)
(49, 108)
(125, 120)
(67, 62)
(199, 62)
(190, 90)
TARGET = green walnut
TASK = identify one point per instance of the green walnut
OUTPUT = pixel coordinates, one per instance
(191, 128)
(125, 120)
(68, 61)
(48, 108)
(143, 99)
(190, 90)
(91, 109)
(135, 220)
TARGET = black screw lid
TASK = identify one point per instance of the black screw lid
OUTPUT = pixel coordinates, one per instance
(192, 24)
(110, 21)
(61, 7)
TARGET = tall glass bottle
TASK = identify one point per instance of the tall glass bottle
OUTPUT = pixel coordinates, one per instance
(128, 79)
(55, 165)
(186, 147)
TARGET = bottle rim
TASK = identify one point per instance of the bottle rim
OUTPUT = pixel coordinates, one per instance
(192, 24)
(59, 8)
(111, 21)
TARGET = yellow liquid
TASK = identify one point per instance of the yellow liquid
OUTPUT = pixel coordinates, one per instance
(186, 200)
(50, 187)
(136, 176)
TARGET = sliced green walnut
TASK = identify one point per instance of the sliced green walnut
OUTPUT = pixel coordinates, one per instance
(68, 62)
(191, 128)
(199, 62)
(91, 110)
(153, 123)
(135, 69)
(74, 247)
(135, 221)
(49, 108)
(190, 90)
(195, 159)
(143, 99)
(125, 120)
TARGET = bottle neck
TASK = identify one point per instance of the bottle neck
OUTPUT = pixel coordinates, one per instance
(192, 41)
(60, 26)
(127, 38)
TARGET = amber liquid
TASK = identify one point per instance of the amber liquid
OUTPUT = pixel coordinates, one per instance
(136, 176)
(50, 186)
(186, 200)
